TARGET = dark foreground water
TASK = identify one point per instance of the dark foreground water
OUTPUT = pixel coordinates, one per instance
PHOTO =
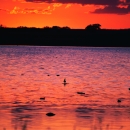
(30, 73)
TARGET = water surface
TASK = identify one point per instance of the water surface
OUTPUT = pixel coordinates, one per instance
(29, 73)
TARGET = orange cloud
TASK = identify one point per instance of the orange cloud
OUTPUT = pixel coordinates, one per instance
(67, 6)
(57, 5)
(18, 10)
(47, 10)
(122, 6)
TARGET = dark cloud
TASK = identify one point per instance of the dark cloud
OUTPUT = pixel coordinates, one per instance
(111, 6)
(83, 2)
(113, 10)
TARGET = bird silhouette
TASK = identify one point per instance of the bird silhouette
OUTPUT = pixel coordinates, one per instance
(118, 100)
(50, 114)
(64, 80)
(42, 98)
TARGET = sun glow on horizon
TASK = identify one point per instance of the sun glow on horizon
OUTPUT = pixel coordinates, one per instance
(14, 13)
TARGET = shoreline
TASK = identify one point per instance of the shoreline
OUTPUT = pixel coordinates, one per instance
(64, 37)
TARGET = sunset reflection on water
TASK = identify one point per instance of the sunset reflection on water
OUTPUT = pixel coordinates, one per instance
(28, 74)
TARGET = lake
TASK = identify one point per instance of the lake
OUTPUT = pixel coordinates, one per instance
(30, 73)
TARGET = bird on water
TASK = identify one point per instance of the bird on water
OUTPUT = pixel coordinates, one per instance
(80, 93)
(64, 80)
(50, 114)
(42, 98)
(119, 100)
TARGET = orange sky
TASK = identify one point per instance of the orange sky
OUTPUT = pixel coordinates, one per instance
(38, 13)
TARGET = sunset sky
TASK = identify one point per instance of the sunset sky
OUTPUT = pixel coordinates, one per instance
(114, 14)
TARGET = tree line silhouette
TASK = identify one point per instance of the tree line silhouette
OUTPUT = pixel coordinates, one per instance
(91, 35)
(89, 27)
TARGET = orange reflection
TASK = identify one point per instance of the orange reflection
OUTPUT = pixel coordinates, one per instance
(24, 81)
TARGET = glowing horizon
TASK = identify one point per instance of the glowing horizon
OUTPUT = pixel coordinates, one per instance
(72, 13)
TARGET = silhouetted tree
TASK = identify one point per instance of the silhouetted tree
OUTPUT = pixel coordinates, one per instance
(22, 27)
(46, 27)
(93, 27)
(56, 27)
(1, 26)
(66, 27)
(33, 27)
